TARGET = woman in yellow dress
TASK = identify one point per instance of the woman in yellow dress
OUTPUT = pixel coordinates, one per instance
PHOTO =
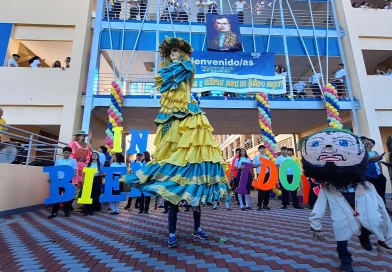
(187, 164)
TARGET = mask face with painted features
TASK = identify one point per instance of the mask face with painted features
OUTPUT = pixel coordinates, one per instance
(335, 156)
(338, 147)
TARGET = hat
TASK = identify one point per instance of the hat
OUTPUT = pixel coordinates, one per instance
(15, 55)
(169, 43)
(80, 132)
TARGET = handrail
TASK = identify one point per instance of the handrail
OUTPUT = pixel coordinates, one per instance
(260, 17)
(22, 149)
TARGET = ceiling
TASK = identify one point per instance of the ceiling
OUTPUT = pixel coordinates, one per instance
(228, 121)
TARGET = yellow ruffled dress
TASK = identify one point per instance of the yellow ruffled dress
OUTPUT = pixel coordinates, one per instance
(187, 164)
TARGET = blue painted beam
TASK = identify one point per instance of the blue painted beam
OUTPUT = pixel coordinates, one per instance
(133, 101)
(276, 43)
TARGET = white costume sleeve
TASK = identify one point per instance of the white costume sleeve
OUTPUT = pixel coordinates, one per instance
(318, 211)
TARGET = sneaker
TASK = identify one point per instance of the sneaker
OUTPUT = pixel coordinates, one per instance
(165, 211)
(248, 208)
(265, 207)
(346, 267)
(383, 249)
(200, 234)
(127, 207)
(116, 213)
(67, 214)
(140, 212)
(243, 209)
(284, 207)
(215, 208)
(310, 206)
(298, 207)
(258, 208)
(172, 241)
(145, 212)
(112, 213)
(366, 244)
(53, 215)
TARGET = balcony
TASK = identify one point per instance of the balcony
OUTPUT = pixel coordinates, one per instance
(378, 28)
(263, 15)
(70, 12)
(378, 88)
(38, 87)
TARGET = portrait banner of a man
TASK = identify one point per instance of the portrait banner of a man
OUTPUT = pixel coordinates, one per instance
(223, 32)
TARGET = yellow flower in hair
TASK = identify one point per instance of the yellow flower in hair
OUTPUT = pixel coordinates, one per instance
(179, 38)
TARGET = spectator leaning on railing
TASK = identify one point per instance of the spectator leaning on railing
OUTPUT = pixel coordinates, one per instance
(13, 62)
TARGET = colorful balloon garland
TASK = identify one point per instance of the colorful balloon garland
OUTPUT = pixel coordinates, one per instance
(265, 125)
(266, 130)
(114, 113)
(332, 106)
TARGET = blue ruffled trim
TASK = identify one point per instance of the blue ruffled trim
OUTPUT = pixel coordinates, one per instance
(173, 75)
(192, 110)
(196, 183)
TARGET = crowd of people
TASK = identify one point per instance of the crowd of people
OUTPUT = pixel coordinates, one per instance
(368, 5)
(80, 155)
(36, 62)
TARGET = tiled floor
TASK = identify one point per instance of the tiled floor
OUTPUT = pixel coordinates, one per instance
(276, 240)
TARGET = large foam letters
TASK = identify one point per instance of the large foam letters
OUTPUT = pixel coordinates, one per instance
(56, 183)
(117, 140)
(283, 175)
(228, 172)
(87, 186)
(273, 178)
(113, 183)
(306, 188)
(139, 141)
(244, 178)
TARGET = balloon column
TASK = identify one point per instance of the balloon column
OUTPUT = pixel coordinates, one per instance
(115, 114)
(265, 125)
(266, 130)
(332, 106)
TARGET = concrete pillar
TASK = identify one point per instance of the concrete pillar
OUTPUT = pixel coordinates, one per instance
(242, 141)
(357, 72)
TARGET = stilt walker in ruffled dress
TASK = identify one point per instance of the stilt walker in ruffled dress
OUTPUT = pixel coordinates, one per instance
(188, 164)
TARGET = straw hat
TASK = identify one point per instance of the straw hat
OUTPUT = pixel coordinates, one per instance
(169, 43)
(80, 133)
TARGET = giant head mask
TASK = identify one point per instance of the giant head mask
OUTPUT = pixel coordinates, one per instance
(334, 155)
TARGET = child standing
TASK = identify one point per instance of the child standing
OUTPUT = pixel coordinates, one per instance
(243, 158)
(97, 182)
(65, 160)
(118, 162)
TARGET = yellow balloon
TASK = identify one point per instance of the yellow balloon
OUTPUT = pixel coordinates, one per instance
(278, 193)
(273, 160)
(116, 97)
(329, 85)
(114, 124)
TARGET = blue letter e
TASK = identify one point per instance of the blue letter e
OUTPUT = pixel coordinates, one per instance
(56, 183)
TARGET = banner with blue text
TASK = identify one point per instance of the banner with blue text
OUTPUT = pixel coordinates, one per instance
(238, 72)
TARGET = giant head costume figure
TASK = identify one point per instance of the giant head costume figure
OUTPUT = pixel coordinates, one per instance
(335, 156)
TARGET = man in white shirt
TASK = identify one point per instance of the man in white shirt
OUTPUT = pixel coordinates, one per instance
(239, 5)
(65, 160)
(14, 61)
(299, 88)
(200, 11)
(290, 177)
(339, 79)
(262, 196)
(314, 81)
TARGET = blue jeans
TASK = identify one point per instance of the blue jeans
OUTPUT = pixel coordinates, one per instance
(173, 218)
(344, 254)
